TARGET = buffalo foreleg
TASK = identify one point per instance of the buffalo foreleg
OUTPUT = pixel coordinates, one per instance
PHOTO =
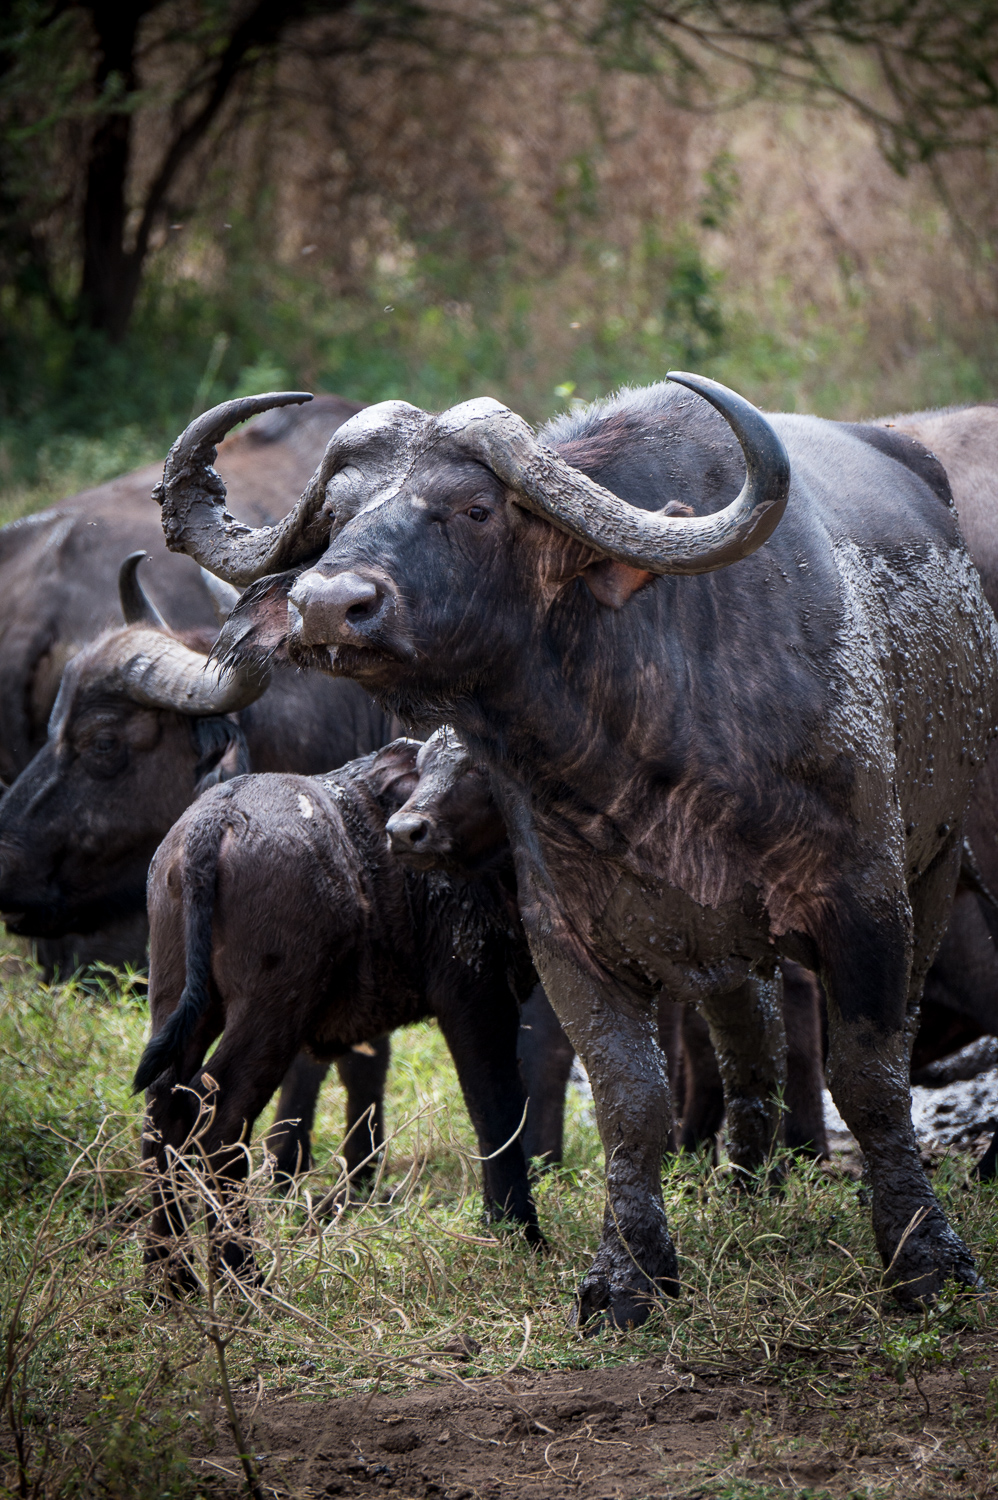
(615, 1033)
(873, 978)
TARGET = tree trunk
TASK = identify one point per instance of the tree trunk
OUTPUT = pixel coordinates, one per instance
(111, 273)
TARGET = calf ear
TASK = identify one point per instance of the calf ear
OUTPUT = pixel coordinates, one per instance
(393, 775)
(613, 583)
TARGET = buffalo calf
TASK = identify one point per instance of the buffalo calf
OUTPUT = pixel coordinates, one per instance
(280, 921)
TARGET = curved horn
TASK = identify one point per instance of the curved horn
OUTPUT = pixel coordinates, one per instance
(136, 607)
(192, 494)
(159, 671)
(224, 597)
(651, 540)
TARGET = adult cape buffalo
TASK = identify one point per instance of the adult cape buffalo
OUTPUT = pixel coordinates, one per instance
(58, 591)
(59, 568)
(708, 752)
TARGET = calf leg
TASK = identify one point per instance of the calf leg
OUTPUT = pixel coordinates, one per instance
(873, 987)
(289, 1139)
(670, 1039)
(240, 1077)
(171, 1115)
(546, 1056)
(746, 1028)
(363, 1071)
(615, 1033)
(481, 1032)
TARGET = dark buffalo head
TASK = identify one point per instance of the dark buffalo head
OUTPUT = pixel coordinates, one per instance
(450, 820)
(426, 550)
(140, 722)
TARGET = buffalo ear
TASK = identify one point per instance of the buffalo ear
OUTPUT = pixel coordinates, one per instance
(613, 583)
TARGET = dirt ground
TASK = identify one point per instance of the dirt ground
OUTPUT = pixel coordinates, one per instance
(641, 1430)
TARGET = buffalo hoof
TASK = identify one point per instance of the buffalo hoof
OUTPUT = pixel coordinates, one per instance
(618, 1293)
(932, 1255)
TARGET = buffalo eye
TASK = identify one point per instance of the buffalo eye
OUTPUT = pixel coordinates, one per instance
(104, 754)
(478, 512)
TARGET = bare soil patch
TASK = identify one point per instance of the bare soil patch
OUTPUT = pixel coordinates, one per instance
(633, 1431)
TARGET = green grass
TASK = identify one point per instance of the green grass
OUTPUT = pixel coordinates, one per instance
(780, 1288)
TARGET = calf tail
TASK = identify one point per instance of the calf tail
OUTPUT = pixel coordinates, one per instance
(197, 885)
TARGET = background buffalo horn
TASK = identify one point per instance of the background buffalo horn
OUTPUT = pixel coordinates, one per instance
(192, 495)
(547, 485)
(159, 671)
(223, 596)
(135, 606)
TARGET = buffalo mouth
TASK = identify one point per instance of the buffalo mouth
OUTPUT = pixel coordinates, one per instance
(362, 662)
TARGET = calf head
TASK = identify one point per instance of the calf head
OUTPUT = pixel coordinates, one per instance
(450, 820)
(139, 725)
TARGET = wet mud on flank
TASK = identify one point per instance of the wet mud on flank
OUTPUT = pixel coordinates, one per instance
(641, 1430)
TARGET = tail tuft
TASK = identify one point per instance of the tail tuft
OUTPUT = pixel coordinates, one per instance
(197, 883)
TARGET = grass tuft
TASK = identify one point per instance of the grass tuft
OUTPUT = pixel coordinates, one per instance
(104, 1384)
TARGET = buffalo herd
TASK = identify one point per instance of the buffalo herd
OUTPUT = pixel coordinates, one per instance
(659, 738)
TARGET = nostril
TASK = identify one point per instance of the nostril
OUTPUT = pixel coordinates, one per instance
(364, 608)
(417, 834)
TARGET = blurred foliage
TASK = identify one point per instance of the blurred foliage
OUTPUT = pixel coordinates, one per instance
(924, 73)
(421, 202)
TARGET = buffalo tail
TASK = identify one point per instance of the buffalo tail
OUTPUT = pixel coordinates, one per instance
(197, 885)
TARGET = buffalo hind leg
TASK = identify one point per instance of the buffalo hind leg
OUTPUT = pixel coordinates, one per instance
(172, 1114)
(872, 1013)
(615, 1033)
(236, 1084)
(746, 1028)
(804, 1121)
(702, 1100)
